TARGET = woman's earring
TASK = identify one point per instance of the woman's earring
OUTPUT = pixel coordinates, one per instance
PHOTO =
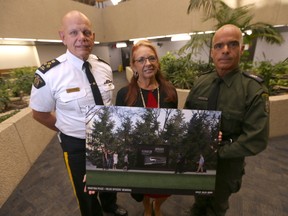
(135, 74)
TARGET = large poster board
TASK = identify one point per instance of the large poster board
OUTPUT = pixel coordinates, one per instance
(149, 150)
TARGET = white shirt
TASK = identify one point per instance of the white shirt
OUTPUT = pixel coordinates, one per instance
(67, 92)
(115, 158)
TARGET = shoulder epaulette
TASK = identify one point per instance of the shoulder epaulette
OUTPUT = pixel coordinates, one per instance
(257, 78)
(206, 72)
(48, 65)
(99, 59)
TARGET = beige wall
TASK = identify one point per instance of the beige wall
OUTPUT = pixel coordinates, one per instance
(131, 19)
(18, 56)
(139, 18)
(40, 19)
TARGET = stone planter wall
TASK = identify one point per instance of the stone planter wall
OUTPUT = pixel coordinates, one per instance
(22, 140)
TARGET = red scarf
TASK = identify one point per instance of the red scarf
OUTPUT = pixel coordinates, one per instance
(151, 101)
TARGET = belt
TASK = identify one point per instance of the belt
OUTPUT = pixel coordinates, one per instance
(71, 144)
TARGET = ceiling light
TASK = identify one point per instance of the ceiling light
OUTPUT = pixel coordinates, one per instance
(155, 37)
(276, 26)
(209, 32)
(121, 45)
(49, 41)
(115, 2)
(248, 32)
(180, 37)
(136, 39)
(19, 39)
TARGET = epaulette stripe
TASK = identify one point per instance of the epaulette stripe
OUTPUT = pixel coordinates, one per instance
(258, 79)
(206, 72)
(48, 65)
(99, 59)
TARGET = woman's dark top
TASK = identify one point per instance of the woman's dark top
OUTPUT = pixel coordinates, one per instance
(121, 95)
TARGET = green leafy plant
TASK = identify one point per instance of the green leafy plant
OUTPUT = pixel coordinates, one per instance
(275, 75)
(4, 96)
(20, 81)
(220, 13)
(181, 71)
(17, 84)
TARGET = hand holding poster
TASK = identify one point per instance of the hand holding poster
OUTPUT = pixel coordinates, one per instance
(151, 150)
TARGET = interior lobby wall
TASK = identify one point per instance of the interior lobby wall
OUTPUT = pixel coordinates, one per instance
(131, 19)
(273, 53)
(138, 18)
(40, 19)
(18, 56)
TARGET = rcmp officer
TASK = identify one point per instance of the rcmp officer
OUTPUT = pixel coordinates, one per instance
(244, 103)
(61, 85)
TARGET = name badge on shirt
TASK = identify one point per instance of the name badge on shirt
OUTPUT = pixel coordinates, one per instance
(77, 89)
(203, 98)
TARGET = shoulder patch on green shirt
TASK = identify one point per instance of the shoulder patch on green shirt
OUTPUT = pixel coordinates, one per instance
(48, 65)
(258, 79)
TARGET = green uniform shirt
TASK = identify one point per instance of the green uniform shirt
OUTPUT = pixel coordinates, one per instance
(244, 102)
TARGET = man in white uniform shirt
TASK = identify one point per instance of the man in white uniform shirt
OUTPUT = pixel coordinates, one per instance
(61, 85)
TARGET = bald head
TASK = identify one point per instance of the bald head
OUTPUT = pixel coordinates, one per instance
(76, 33)
(229, 28)
(73, 16)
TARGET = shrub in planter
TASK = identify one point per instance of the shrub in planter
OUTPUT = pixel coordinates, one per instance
(181, 71)
(20, 81)
(4, 96)
(275, 75)
(17, 84)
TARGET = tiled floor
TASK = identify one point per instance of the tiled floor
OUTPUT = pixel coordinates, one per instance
(46, 189)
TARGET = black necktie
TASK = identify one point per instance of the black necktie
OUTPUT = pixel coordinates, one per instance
(213, 97)
(95, 90)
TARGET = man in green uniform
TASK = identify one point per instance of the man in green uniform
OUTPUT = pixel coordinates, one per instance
(244, 103)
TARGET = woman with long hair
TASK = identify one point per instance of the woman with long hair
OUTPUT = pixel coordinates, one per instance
(147, 88)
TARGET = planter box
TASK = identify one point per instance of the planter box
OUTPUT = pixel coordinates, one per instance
(278, 115)
(22, 140)
(182, 95)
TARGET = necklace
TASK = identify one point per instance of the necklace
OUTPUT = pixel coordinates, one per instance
(158, 98)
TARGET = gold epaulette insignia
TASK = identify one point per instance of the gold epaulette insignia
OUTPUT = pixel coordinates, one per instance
(48, 65)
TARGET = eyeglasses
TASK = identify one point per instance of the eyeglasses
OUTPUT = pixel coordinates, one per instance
(230, 45)
(142, 60)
